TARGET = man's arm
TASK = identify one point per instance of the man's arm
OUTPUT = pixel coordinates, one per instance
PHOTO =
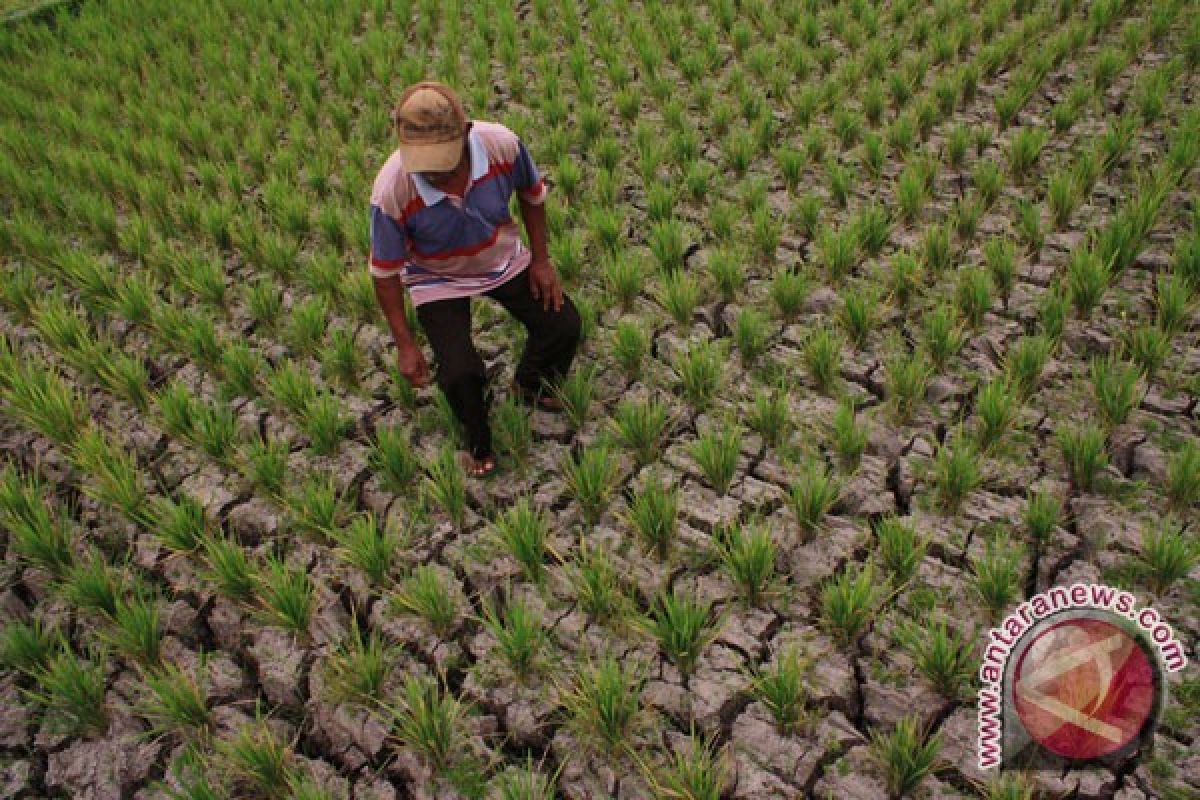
(543, 277)
(390, 293)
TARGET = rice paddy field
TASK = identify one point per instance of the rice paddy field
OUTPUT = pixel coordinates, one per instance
(890, 316)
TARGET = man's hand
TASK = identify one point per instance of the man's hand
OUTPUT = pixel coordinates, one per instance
(413, 365)
(544, 284)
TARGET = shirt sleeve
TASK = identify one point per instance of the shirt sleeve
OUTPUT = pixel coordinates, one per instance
(389, 254)
(526, 178)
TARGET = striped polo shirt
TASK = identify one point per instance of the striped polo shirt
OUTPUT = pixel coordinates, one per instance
(443, 246)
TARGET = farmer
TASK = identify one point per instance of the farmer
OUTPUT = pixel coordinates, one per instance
(441, 228)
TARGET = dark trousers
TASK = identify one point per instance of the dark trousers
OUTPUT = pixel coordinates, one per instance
(549, 350)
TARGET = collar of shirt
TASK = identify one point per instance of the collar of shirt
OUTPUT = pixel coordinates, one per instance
(479, 167)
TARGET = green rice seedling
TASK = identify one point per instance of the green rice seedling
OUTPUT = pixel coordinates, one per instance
(512, 431)
(264, 301)
(624, 278)
(1183, 476)
(1114, 388)
(640, 425)
(988, 181)
(198, 334)
(1148, 347)
(291, 387)
(696, 771)
(907, 376)
(751, 335)
(240, 367)
(812, 495)
(1023, 151)
(858, 314)
(1009, 786)
(701, 372)
(358, 669)
(791, 166)
(595, 583)
(266, 463)
(1115, 142)
(28, 646)
(997, 574)
(716, 453)
(341, 359)
(425, 594)
(942, 655)
(873, 228)
(955, 472)
(900, 549)
(126, 376)
(228, 568)
(630, 345)
(996, 408)
(72, 690)
(782, 688)
(392, 458)
(1000, 257)
(445, 483)
(973, 295)
(216, 429)
(1042, 513)
(258, 760)
(874, 154)
(727, 271)
(697, 180)
(788, 291)
(957, 143)
(367, 545)
(667, 244)
(823, 356)
(840, 178)
(114, 476)
(848, 602)
(849, 435)
(901, 135)
(577, 394)
(837, 250)
(519, 633)
(38, 536)
(307, 321)
(602, 701)
(748, 557)
(1062, 197)
(315, 503)
(766, 233)
(1173, 303)
(679, 295)
(93, 585)
(287, 596)
(904, 277)
(807, 213)
(910, 195)
(722, 220)
(1168, 554)
(683, 625)
(1107, 64)
(653, 514)
(521, 530)
(1029, 225)
(178, 408)
(770, 416)
(906, 755)
(660, 202)
(591, 479)
(965, 217)
(1083, 450)
(566, 251)
(526, 783)
(136, 630)
(936, 249)
(1088, 277)
(1025, 362)
(42, 400)
(607, 226)
(175, 700)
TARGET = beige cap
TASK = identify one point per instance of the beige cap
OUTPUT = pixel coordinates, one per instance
(431, 124)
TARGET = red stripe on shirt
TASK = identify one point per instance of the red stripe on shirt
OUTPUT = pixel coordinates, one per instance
(466, 250)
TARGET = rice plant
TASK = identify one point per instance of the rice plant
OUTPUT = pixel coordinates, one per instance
(630, 346)
(1025, 361)
(716, 453)
(72, 691)
(973, 295)
(996, 409)
(1183, 476)
(42, 538)
(591, 478)
(858, 314)
(837, 250)
(136, 628)
(1063, 197)
(1173, 303)
(228, 568)
(367, 545)
(640, 426)
(907, 376)
(393, 459)
(266, 462)
(696, 771)
(943, 655)
(446, 485)
(679, 295)
(519, 634)
(748, 556)
(848, 602)
(849, 435)
(667, 244)
(42, 400)
(28, 646)
(1114, 389)
(943, 335)
(624, 278)
(315, 503)
(822, 357)
(728, 272)
(425, 594)
(900, 548)
(812, 495)
(602, 701)
(782, 688)
(1087, 278)
(653, 514)
(1167, 555)
(700, 372)
(287, 596)
(683, 626)
(596, 583)
(1023, 151)
(955, 472)
(258, 760)
(175, 700)
(1041, 516)
(358, 669)
(997, 574)
(936, 249)
(906, 755)
(522, 531)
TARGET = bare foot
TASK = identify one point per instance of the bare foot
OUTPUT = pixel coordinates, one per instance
(479, 467)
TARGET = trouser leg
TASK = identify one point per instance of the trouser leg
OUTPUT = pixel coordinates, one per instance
(460, 372)
(553, 335)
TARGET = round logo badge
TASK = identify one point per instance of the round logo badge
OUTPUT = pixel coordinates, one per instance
(1084, 688)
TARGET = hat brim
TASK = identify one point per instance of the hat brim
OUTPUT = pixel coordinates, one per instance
(439, 157)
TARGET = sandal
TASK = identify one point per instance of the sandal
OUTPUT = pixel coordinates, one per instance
(543, 402)
(479, 467)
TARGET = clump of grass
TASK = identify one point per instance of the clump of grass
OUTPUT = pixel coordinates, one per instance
(591, 478)
(1000, 257)
(368, 546)
(577, 392)
(653, 514)
(1168, 554)
(446, 484)
(175, 700)
(973, 294)
(748, 556)
(770, 415)
(907, 376)
(823, 357)
(266, 463)
(519, 634)
(997, 573)
(812, 495)
(955, 472)
(683, 625)
(788, 291)
(848, 602)
(28, 646)
(906, 755)
(624, 278)
(640, 425)
(1024, 362)
(94, 585)
(1114, 388)
(716, 453)
(700, 372)
(258, 760)
(943, 335)
(425, 594)
(680, 294)
(859, 314)
(727, 271)
(696, 771)
(136, 630)
(1082, 448)
(1183, 476)
(1042, 513)
(287, 596)
(72, 690)
(522, 531)
(596, 583)
(751, 335)
(904, 277)
(629, 347)
(900, 548)
(393, 459)
(1088, 278)
(603, 702)
(782, 688)
(229, 568)
(942, 655)
(996, 409)
(1023, 151)
(358, 668)
(38, 536)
